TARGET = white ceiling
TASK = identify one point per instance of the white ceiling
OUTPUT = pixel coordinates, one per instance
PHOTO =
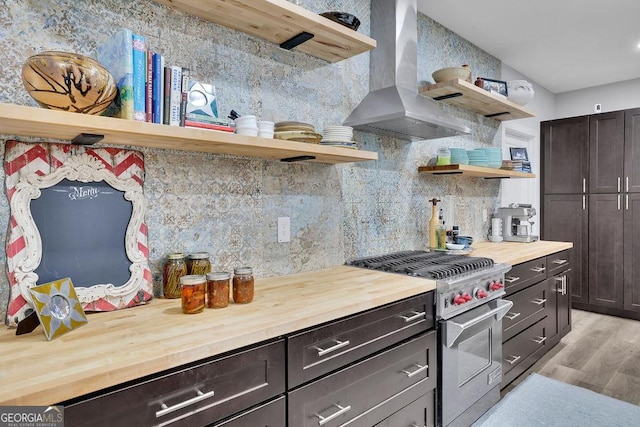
(562, 45)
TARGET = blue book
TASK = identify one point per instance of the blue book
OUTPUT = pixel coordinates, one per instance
(115, 53)
(139, 78)
(158, 88)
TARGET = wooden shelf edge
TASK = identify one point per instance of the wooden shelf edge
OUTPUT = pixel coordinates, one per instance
(475, 171)
(475, 99)
(60, 125)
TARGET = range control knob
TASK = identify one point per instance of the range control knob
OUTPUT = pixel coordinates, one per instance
(496, 286)
(467, 297)
(459, 300)
(481, 293)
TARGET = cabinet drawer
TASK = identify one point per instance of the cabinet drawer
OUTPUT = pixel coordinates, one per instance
(529, 306)
(525, 274)
(369, 391)
(272, 414)
(518, 348)
(194, 396)
(329, 347)
(557, 263)
(417, 413)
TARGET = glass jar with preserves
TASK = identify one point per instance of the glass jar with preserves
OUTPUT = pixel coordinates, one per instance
(243, 285)
(198, 263)
(174, 268)
(193, 293)
(218, 288)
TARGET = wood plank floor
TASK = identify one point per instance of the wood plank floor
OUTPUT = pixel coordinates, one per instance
(601, 353)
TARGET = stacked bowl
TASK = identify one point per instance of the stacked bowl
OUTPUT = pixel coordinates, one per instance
(459, 156)
(478, 157)
(338, 136)
(494, 157)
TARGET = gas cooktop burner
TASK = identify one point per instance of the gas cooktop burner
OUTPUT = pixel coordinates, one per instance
(432, 265)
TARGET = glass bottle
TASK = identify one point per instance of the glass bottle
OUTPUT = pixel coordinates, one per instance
(444, 156)
(174, 268)
(218, 288)
(243, 287)
(198, 263)
(193, 293)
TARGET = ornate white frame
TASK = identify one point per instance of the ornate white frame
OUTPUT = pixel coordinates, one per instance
(84, 168)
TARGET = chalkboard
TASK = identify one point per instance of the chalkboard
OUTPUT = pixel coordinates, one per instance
(83, 227)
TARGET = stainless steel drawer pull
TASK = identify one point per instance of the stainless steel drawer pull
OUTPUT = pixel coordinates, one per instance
(416, 316)
(584, 185)
(559, 261)
(339, 344)
(513, 315)
(511, 279)
(341, 410)
(421, 368)
(168, 409)
(627, 184)
(619, 184)
(514, 360)
(540, 340)
(538, 269)
(539, 301)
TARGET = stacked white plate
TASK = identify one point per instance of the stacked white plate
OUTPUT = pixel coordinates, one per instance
(340, 136)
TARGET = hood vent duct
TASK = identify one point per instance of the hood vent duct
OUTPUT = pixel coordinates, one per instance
(393, 106)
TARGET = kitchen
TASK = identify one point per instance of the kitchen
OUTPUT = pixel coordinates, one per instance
(210, 202)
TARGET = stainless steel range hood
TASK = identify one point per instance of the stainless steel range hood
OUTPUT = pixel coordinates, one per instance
(393, 106)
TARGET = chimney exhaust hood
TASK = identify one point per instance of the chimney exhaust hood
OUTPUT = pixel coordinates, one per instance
(393, 106)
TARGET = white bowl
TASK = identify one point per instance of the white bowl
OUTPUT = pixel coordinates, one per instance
(455, 246)
(247, 131)
(246, 121)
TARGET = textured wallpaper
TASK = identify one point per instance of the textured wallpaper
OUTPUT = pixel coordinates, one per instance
(228, 206)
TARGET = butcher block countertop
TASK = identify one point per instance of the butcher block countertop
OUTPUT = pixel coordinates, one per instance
(120, 346)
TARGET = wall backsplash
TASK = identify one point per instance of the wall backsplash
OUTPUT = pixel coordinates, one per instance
(229, 205)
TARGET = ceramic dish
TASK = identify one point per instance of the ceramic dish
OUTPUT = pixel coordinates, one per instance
(301, 136)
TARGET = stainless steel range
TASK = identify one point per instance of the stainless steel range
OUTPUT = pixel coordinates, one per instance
(469, 310)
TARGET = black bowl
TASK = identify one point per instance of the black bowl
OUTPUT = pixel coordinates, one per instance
(346, 19)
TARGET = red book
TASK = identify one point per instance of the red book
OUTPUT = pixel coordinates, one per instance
(212, 126)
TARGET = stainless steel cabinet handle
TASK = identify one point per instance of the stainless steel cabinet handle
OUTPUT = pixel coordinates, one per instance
(627, 202)
(540, 340)
(513, 315)
(559, 261)
(584, 185)
(618, 202)
(421, 368)
(339, 344)
(538, 269)
(341, 410)
(626, 184)
(619, 184)
(168, 409)
(511, 279)
(584, 203)
(416, 316)
(539, 301)
(514, 360)
(564, 285)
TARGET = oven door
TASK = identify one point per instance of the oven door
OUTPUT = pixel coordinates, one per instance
(471, 351)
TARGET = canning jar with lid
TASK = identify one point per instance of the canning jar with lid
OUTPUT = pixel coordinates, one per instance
(193, 293)
(243, 285)
(198, 263)
(174, 268)
(218, 289)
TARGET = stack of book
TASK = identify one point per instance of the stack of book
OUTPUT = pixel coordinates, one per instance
(521, 165)
(151, 91)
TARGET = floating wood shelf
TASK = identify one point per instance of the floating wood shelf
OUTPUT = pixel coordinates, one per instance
(466, 95)
(475, 171)
(60, 125)
(279, 21)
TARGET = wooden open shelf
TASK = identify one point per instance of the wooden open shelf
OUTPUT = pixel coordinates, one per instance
(53, 125)
(475, 171)
(466, 95)
(278, 21)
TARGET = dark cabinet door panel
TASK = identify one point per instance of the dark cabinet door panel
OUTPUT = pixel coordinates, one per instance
(632, 150)
(529, 306)
(520, 347)
(565, 155)
(563, 292)
(632, 252)
(369, 391)
(525, 274)
(606, 235)
(272, 414)
(606, 159)
(566, 219)
(418, 413)
(557, 263)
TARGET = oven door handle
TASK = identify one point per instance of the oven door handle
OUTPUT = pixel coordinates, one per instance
(454, 329)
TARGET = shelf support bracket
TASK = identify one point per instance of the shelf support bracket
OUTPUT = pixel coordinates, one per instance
(297, 159)
(296, 40)
(447, 96)
(496, 114)
(87, 139)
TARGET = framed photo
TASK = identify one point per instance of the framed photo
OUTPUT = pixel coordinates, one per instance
(57, 306)
(498, 86)
(519, 153)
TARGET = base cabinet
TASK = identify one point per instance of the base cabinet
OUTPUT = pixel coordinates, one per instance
(418, 413)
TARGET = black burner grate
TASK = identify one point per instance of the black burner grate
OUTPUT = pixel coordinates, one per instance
(433, 265)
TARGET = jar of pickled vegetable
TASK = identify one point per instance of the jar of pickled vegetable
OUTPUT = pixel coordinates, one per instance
(174, 268)
(198, 263)
(218, 287)
(193, 293)
(243, 285)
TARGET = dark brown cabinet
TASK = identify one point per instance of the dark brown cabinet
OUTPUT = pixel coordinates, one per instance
(606, 152)
(565, 155)
(632, 150)
(631, 251)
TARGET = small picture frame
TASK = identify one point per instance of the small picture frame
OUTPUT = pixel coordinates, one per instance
(519, 153)
(497, 86)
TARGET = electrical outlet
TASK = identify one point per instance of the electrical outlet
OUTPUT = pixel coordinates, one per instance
(284, 229)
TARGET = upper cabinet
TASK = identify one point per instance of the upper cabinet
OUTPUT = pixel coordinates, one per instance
(280, 21)
(466, 95)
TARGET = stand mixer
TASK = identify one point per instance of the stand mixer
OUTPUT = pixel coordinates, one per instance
(516, 223)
